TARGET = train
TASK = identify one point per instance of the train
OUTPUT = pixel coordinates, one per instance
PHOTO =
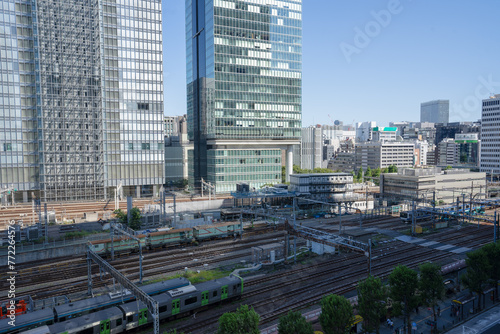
(119, 312)
(151, 240)
(444, 213)
(407, 216)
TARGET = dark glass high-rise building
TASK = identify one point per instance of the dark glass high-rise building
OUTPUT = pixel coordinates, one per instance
(81, 98)
(437, 111)
(244, 81)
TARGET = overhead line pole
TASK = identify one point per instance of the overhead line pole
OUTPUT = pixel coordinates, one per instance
(131, 236)
(126, 283)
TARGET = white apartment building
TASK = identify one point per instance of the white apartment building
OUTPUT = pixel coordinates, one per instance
(311, 152)
(384, 154)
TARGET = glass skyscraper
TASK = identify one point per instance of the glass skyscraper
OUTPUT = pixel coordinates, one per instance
(244, 82)
(437, 111)
(81, 98)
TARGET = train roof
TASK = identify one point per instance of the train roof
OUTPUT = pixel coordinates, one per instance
(181, 291)
(155, 288)
(116, 238)
(215, 225)
(170, 232)
(91, 303)
(132, 307)
(27, 319)
(89, 320)
(216, 283)
(39, 330)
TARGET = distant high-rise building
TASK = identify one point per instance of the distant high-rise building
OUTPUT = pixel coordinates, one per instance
(311, 152)
(177, 147)
(437, 111)
(244, 89)
(490, 135)
(364, 131)
(81, 104)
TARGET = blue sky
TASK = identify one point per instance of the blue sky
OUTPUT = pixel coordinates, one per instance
(376, 59)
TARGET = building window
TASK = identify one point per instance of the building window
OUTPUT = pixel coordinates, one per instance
(7, 146)
(145, 146)
(130, 146)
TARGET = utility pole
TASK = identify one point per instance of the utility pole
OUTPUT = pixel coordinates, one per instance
(370, 256)
(295, 236)
(46, 223)
(340, 218)
(495, 224)
(413, 219)
(463, 208)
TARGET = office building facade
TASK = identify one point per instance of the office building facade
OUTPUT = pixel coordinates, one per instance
(425, 183)
(82, 98)
(437, 111)
(243, 89)
(490, 136)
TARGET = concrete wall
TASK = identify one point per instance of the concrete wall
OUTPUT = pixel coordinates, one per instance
(199, 206)
(47, 253)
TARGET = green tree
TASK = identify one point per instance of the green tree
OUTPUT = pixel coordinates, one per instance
(294, 323)
(121, 216)
(322, 170)
(492, 252)
(135, 219)
(376, 172)
(359, 176)
(476, 275)
(368, 172)
(431, 285)
(244, 321)
(385, 170)
(371, 303)
(448, 167)
(336, 314)
(392, 169)
(403, 283)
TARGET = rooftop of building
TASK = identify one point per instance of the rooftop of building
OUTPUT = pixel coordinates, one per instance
(431, 171)
(321, 174)
(434, 102)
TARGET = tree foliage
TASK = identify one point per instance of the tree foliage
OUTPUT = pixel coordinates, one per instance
(371, 303)
(121, 216)
(492, 253)
(135, 218)
(392, 169)
(368, 172)
(359, 176)
(244, 321)
(476, 275)
(403, 283)
(294, 323)
(431, 285)
(336, 314)
(298, 170)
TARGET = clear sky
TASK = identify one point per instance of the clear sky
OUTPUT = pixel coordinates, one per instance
(376, 59)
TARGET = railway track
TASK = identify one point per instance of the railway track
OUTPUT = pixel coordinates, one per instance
(70, 210)
(280, 297)
(72, 278)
